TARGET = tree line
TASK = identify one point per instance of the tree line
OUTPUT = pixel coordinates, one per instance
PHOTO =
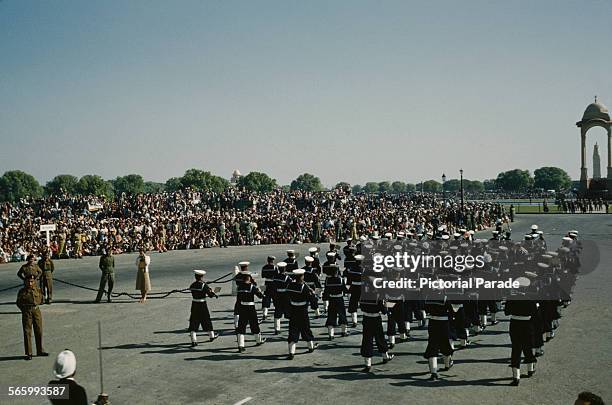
(16, 184)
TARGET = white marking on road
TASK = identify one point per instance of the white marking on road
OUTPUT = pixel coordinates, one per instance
(244, 401)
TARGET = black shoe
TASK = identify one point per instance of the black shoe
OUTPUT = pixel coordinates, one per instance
(391, 356)
(263, 340)
(313, 349)
(264, 318)
(391, 345)
(108, 299)
(451, 364)
(214, 337)
(354, 325)
(515, 382)
(241, 349)
(48, 301)
(345, 334)
(434, 377)
(549, 338)
(530, 373)
(539, 354)
(194, 344)
(494, 323)
(330, 338)
(96, 302)
(42, 354)
(28, 357)
(366, 369)
(290, 356)
(276, 332)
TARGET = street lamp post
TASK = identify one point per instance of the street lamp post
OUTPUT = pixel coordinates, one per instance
(461, 183)
(444, 187)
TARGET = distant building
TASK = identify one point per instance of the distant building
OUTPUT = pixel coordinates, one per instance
(596, 163)
(235, 176)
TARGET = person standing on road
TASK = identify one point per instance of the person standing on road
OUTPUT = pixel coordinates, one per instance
(28, 300)
(64, 370)
(30, 268)
(143, 282)
(107, 266)
(199, 309)
(45, 264)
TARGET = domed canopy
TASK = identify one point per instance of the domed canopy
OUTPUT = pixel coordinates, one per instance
(596, 111)
(237, 172)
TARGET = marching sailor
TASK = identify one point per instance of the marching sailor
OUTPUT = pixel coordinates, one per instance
(334, 294)
(299, 298)
(438, 340)
(281, 305)
(247, 290)
(312, 281)
(268, 272)
(199, 310)
(373, 331)
(353, 275)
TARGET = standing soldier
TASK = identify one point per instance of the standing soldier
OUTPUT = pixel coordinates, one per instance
(46, 280)
(107, 266)
(78, 252)
(222, 237)
(300, 296)
(28, 300)
(268, 272)
(247, 290)
(373, 331)
(30, 268)
(199, 310)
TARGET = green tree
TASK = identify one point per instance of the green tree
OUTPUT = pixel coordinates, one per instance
(66, 183)
(343, 185)
(173, 184)
(398, 187)
(256, 181)
(489, 185)
(384, 187)
(202, 181)
(16, 184)
(453, 185)
(371, 187)
(475, 186)
(551, 178)
(410, 187)
(130, 184)
(356, 189)
(152, 187)
(94, 185)
(515, 180)
(307, 182)
(432, 186)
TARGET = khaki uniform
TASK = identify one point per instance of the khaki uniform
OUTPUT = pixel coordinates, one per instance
(27, 269)
(28, 300)
(46, 280)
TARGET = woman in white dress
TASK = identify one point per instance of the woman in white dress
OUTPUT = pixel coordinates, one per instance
(143, 283)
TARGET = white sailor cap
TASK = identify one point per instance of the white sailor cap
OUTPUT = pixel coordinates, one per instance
(546, 256)
(313, 250)
(375, 237)
(290, 251)
(543, 265)
(572, 235)
(244, 264)
(425, 245)
(540, 232)
(531, 274)
(309, 259)
(398, 247)
(504, 248)
(400, 233)
(471, 232)
(199, 272)
(534, 227)
(454, 247)
(462, 230)
(299, 271)
(282, 265)
(456, 234)
(574, 231)
(331, 254)
(441, 228)
(523, 281)
(359, 257)
(552, 254)
(445, 237)
(363, 238)
(388, 235)
(413, 244)
(495, 232)
(567, 239)
(464, 245)
(564, 249)
(65, 364)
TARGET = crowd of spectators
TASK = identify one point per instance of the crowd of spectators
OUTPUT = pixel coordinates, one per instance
(196, 220)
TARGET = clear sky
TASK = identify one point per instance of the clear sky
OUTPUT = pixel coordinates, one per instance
(347, 90)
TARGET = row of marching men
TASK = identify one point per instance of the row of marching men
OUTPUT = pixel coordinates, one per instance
(293, 291)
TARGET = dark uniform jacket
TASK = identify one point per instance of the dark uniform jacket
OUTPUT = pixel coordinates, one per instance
(28, 269)
(76, 393)
(334, 287)
(200, 290)
(299, 293)
(107, 264)
(29, 298)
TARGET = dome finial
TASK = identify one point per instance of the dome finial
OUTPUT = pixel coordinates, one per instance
(595, 98)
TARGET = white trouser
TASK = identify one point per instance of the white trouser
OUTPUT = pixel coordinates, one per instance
(483, 321)
(447, 361)
(516, 373)
(330, 331)
(531, 367)
(407, 326)
(392, 340)
(235, 321)
(259, 338)
(354, 317)
(292, 348)
(240, 340)
(368, 361)
(452, 344)
(194, 339)
(265, 312)
(433, 365)
(311, 344)
(277, 324)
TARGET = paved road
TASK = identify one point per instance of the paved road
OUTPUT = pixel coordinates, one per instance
(148, 359)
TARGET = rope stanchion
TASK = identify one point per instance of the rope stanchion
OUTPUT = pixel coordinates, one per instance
(158, 295)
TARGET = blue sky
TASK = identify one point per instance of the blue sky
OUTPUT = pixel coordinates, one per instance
(348, 90)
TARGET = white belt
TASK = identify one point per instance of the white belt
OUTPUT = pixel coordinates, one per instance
(299, 304)
(371, 314)
(438, 318)
(199, 300)
(281, 290)
(335, 295)
(520, 317)
(356, 283)
(247, 303)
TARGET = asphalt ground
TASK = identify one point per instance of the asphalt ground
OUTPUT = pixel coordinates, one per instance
(148, 359)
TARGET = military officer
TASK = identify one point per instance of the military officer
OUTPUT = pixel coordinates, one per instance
(107, 266)
(28, 300)
(299, 295)
(46, 281)
(199, 310)
(29, 268)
